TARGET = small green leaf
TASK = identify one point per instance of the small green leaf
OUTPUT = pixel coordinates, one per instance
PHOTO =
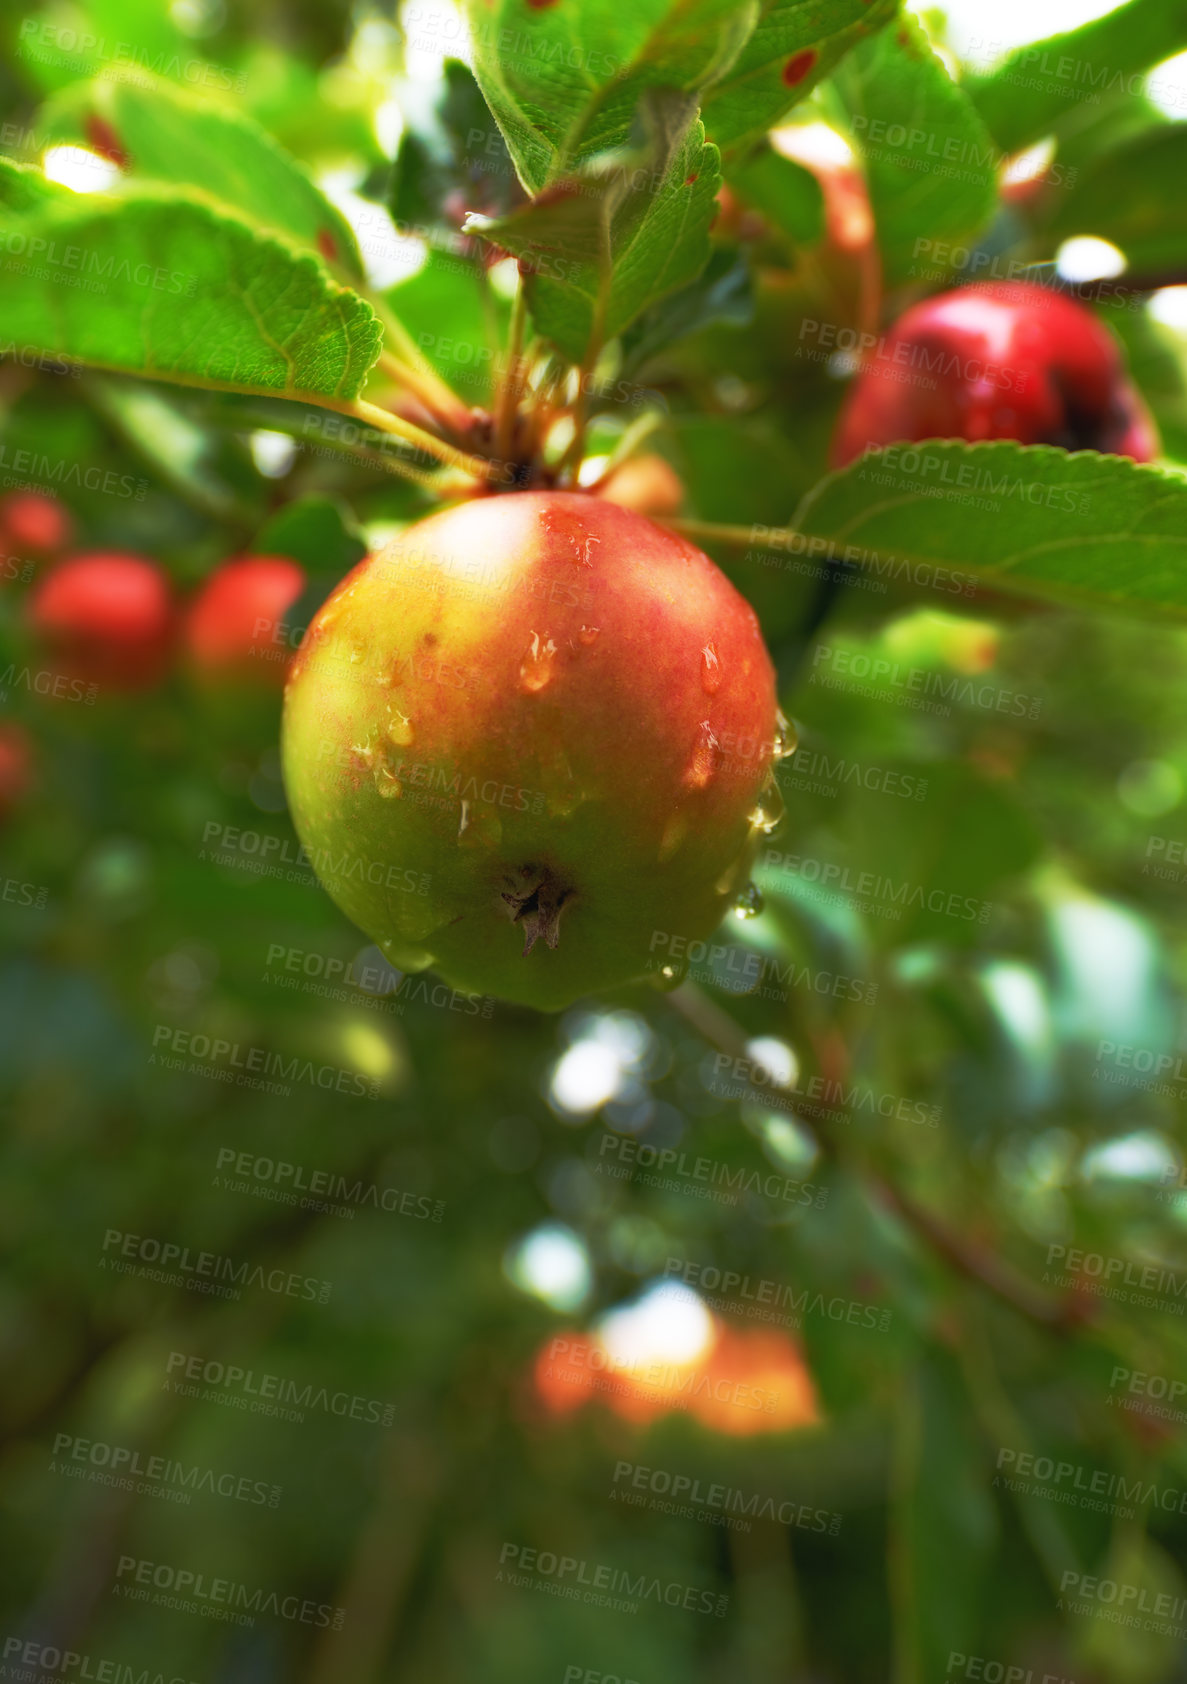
(1025, 518)
(930, 162)
(165, 287)
(1133, 196)
(167, 133)
(1040, 89)
(600, 247)
(794, 45)
(565, 81)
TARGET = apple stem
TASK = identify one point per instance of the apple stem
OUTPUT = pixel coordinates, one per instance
(477, 466)
(510, 384)
(438, 398)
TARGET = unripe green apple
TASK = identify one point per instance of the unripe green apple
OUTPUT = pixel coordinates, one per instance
(530, 745)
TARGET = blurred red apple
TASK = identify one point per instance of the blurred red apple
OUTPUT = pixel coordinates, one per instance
(106, 617)
(234, 628)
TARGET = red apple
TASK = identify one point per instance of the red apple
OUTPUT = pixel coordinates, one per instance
(998, 360)
(234, 629)
(531, 744)
(106, 617)
(647, 484)
(33, 524)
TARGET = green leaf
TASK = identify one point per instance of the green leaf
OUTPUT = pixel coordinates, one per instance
(788, 195)
(722, 294)
(565, 81)
(930, 162)
(1133, 196)
(456, 320)
(165, 287)
(794, 45)
(452, 157)
(945, 1524)
(319, 532)
(599, 248)
(23, 188)
(1026, 518)
(169, 134)
(1038, 89)
(189, 457)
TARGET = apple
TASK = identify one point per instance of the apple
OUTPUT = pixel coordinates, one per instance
(997, 360)
(647, 484)
(530, 745)
(234, 627)
(106, 617)
(34, 524)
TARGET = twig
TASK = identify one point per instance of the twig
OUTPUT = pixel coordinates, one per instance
(961, 1254)
(714, 531)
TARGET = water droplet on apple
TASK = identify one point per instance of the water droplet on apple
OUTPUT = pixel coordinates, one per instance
(769, 810)
(698, 774)
(410, 959)
(536, 669)
(589, 634)
(399, 730)
(749, 903)
(786, 738)
(387, 783)
(710, 670)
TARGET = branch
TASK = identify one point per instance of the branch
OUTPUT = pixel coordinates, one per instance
(963, 1255)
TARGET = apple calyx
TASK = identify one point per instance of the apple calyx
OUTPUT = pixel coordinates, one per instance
(536, 900)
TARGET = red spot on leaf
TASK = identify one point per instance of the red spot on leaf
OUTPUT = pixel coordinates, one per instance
(104, 140)
(327, 245)
(798, 67)
(689, 179)
(541, 5)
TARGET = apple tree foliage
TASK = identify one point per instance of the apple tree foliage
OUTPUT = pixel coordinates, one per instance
(317, 273)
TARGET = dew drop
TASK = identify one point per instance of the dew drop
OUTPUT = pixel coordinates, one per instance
(536, 669)
(387, 783)
(399, 730)
(749, 903)
(786, 738)
(589, 634)
(769, 810)
(410, 959)
(698, 774)
(710, 670)
(669, 977)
